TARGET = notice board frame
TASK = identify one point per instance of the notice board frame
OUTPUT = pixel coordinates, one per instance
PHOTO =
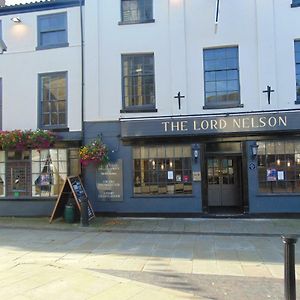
(72, 186)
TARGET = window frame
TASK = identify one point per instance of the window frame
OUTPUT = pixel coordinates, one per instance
(143, 107)
(39, 32)
(40, 101)
(221, 105)
(137, 21)
(167, 187)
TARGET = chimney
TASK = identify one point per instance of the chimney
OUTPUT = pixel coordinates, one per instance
(2, 2)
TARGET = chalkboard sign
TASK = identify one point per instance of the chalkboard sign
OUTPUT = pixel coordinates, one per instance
(71, 187)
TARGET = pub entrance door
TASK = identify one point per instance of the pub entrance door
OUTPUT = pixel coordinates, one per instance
(224, 181)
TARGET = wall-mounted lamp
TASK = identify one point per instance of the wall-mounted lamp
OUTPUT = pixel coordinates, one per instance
(254, 150)
(16, 19)
(196, 154)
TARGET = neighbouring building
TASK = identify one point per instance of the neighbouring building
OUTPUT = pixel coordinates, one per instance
(41, 87)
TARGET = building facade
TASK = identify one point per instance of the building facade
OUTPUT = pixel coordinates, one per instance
(41, 84)
(199, 103)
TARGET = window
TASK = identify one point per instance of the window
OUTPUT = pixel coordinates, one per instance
(53, 100)
(221, 77)
(162, 170)
(136, 11)
(49, 170)
(297, 61)
(52, 31)
(295, 3)
(138, 82)
(279, 166)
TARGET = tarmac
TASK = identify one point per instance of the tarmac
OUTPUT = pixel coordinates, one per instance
(144, 258)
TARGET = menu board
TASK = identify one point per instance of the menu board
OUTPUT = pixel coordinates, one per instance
(109, 181)
(71, 187)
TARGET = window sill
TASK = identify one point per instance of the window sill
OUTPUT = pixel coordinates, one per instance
(56, 129)
(278, 195)
(136, 22)
(140, 110)
(163, 196)
(52, 46)
(223, 106)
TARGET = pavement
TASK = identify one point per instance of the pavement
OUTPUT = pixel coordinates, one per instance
(130, 258)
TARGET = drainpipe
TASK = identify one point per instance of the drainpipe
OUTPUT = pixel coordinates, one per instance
(82, 68)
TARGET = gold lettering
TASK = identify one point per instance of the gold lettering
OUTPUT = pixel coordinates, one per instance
(223, 124)
(204, 124)
(195, 126)
(272, 122)
(175, 126)
(283, 121)
(183, 126)
(214, 124)
(246, 125)
(165, 125)
(253, 124)
(262, 121)
(237, 123)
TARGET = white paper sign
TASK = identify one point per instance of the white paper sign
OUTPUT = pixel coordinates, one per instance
(170, 175)
(280, 175)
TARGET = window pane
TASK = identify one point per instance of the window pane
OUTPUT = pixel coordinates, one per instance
(221, 76)
(52, 29)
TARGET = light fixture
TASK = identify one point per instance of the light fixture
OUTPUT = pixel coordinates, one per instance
(196, 154)
(288, 163)
(16, 19)
(254, 150)
(278, 162)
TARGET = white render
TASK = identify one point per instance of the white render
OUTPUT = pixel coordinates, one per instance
(21, 64)
(263, 30)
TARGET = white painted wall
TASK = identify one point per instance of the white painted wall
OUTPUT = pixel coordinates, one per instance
(264, 31)
(21, 64)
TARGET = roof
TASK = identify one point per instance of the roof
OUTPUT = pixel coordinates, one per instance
(38, 6)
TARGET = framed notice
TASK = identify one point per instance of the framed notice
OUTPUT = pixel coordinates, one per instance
(109, 182)
(280, 175)
(271, 175)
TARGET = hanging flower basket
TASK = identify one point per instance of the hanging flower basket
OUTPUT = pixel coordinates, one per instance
(95, 153)
(27, 139)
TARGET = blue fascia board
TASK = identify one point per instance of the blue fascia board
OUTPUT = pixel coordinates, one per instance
(38, 6)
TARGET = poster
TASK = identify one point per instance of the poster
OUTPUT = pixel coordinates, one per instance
(170, 175)
(271, 175)
(280, 175)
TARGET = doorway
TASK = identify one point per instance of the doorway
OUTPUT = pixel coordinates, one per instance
(224, 179)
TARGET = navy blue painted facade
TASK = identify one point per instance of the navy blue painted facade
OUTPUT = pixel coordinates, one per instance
(121, 147)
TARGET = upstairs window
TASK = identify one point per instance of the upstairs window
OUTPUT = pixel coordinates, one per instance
(297, 61)
(136, 11)
(138, 82)
(52, 31)
(53, 100)
(295, 3)
(221, 77)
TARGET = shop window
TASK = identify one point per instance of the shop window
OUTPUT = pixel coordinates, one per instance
(136, 11)
(53, 100)
(297, 62)
(279, 166)
(221, 77)
(138, 82)
(49, 171)
(52, 31)
(2, 173)
(162, 170)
